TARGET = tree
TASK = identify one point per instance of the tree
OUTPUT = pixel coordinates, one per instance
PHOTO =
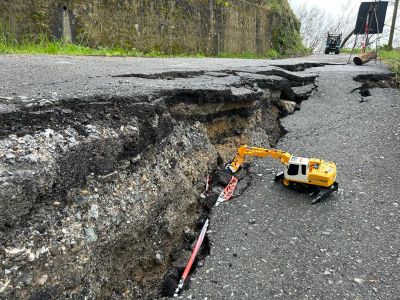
(316, 23)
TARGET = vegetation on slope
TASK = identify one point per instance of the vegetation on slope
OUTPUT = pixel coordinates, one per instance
(392, 58)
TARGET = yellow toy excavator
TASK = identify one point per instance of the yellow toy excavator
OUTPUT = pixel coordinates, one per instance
(310, 172)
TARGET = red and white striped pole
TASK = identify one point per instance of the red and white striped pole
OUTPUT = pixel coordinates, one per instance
(225, 195)
(366, 32)
(192, 258)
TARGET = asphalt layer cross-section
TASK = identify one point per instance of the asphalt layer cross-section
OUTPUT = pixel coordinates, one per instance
(272, 243)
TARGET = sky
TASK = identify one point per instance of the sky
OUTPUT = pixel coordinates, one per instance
(331, 6)
(335, 8)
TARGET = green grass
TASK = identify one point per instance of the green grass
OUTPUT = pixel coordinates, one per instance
(356, 50)
(348, 50)
(41, 44)
(57, 48)
(271, 54)
(392, 58)
(60, 48)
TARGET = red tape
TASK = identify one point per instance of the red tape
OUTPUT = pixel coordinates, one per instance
(228, 191)
(230, 188)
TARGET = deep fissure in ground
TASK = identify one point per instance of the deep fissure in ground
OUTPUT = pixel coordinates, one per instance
(221, 177)
(371, 81)
(102, 193)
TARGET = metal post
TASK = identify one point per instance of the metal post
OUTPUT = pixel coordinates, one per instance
(377, 39)
(390, 43)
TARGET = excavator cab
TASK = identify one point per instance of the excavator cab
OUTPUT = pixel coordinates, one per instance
(297, 169)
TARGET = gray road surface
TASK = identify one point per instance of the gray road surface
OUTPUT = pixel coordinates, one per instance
(23, 76)
(272, 243)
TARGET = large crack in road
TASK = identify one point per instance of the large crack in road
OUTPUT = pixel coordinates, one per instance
(101, 175)
(272, 243)
(100, 191)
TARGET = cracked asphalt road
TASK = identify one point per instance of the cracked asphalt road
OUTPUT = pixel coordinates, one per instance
(25, 76)
(272, 243)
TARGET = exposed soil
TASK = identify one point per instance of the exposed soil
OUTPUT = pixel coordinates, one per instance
(101, 195)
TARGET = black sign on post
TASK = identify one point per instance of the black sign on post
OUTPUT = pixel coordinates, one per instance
(375, 13)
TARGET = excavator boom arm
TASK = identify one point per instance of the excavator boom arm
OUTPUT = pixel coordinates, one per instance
(244, 151)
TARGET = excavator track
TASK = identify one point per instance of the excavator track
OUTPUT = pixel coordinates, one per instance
(325, 192)
(321, 193)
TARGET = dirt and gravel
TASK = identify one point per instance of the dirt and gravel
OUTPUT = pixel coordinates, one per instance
(102, 162)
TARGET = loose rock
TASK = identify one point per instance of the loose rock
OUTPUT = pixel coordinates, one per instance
(359, 280)
(42, 280)
(91, 235)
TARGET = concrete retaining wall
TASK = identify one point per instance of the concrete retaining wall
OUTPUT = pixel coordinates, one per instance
(171, 26)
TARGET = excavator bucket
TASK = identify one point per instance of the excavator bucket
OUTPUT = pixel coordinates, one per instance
(325, 192)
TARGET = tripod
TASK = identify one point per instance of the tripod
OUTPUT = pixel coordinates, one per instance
(371, 13)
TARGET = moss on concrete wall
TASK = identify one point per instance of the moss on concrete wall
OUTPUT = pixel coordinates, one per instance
(170, 26)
